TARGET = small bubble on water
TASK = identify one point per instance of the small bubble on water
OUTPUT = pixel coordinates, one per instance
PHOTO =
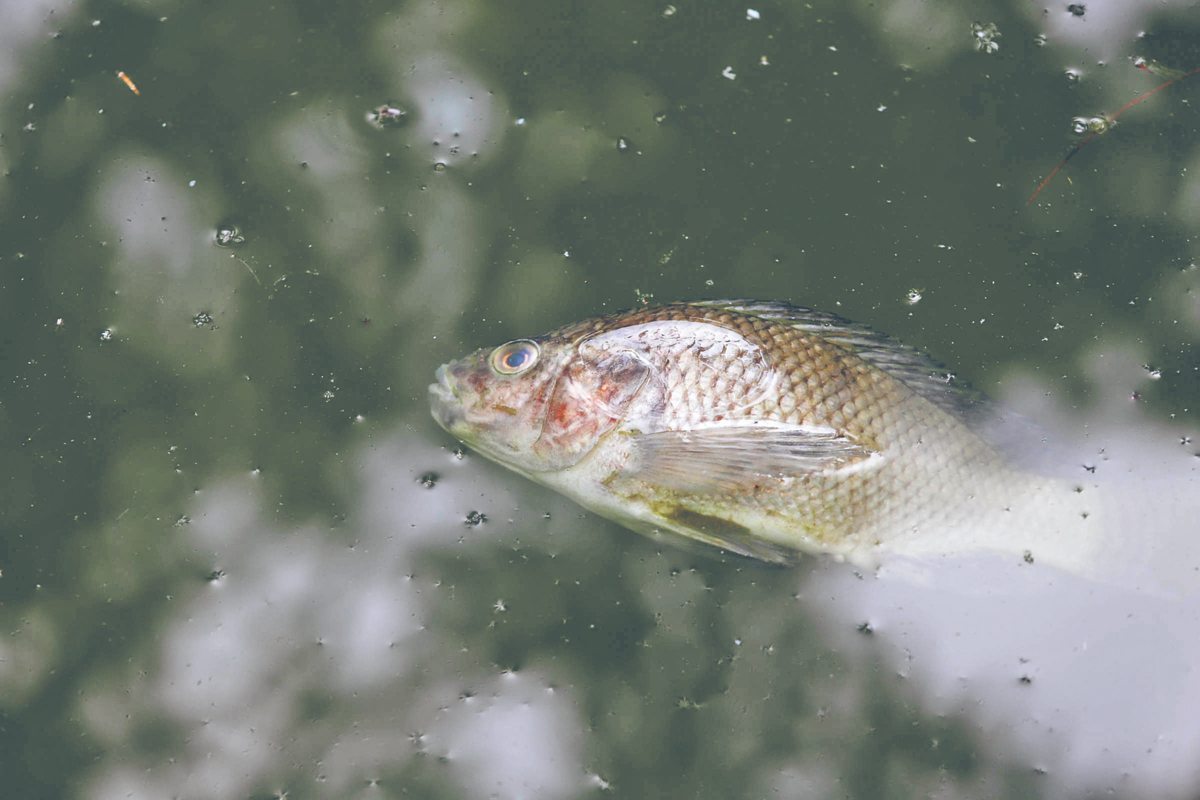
(985, 36)
(1073, 75)
(670, 11)
(1153, 373)
(439, 166)
(428, 479)
(623, 144)
(228, 236)
(106, 335)
(519, 122)
(1091, 125)
(475, 518)
(328, 395)
(1077, 9)
(660, 117)
(728, 73)
(753, 15)
(202, 319)
(914, 296)
(459, 453)
(387, 116)
(1040, 40)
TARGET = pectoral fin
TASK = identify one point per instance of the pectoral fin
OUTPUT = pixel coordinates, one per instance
(729, 536)
(732, 458)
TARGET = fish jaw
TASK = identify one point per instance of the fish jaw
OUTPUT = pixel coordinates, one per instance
(444, 403)
(458, 409)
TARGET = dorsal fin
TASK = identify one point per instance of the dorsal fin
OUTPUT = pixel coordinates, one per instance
(914, 369)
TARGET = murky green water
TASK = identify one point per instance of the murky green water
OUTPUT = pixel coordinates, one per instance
(238, 559)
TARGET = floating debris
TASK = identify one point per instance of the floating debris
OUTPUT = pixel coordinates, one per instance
(985, 37)
(388, 116)
(128, 81)
(228, 236)
(1091, 127)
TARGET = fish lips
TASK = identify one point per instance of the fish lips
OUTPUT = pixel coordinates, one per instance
(444, 403)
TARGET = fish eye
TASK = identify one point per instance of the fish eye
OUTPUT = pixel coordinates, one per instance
(514, 357)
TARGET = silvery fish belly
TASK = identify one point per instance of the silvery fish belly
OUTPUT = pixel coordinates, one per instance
(761, 429)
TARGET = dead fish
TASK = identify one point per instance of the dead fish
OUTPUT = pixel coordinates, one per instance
(762, 429)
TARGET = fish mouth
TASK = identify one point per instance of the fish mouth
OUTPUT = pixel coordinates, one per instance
(444, 403)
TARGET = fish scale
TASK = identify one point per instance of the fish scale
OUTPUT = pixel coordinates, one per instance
(762, 429)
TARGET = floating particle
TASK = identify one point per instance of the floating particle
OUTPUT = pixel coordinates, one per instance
(670, 11)
(475, 518)
(202, 319)
(106, 335)
(752, 14)
(623, 144)
(914, 296)
(1091, 125)
(128, 81)
(1154, 373)
(985, 36)
(387, 116)
(1077, 9)
(228, 236)
(428, 479)
(729, 73)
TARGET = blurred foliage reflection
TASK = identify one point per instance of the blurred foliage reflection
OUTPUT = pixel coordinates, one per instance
(221, 299)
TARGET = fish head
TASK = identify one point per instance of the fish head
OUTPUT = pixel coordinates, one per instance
(537, 405)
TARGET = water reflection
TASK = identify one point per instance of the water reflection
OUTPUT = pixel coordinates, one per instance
(221, 574)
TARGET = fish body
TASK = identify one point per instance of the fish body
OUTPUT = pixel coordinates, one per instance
(763, 429)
